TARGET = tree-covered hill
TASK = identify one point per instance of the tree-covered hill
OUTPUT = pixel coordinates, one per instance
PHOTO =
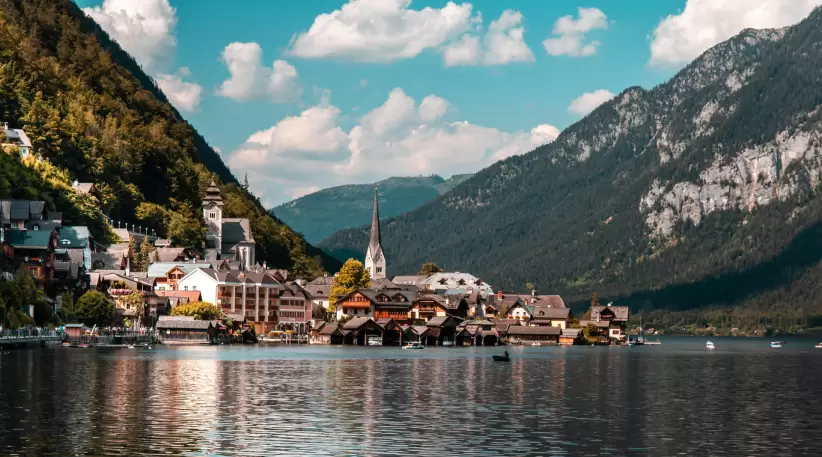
(95, 116)
(701, 192)
(320, 214)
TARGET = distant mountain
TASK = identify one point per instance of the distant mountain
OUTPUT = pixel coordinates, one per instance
(703, 191)
(322, 213)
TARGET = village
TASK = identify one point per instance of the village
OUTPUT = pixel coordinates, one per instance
(255, 303)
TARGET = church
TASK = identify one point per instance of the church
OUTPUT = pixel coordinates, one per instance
(374, 256)
(226, 238)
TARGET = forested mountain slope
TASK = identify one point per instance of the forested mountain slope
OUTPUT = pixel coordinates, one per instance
(319, 215)
(93, 114)
(701, 191)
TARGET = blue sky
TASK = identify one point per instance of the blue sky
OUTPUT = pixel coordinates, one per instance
(346, 101)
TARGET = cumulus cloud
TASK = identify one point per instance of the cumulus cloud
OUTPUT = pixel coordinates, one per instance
(682, 37)
(569, 33)
(588, 101)
(251, 79)
(399, 137)
(503, 43)
(381, 30)
(183, 94)
(143, 28)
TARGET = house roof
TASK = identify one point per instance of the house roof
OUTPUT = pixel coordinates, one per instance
(357, 322)
(318, 291)
(160, 269)
(382, 283)
(18, 136)
(322, 281)
(192, 295)
(83, 187)
(413, 280)
(162, 243)
(183, 322)
(111, 259)
(542, 312)
(169, 254)
(27, 239)
(456, 280)
(523, 330)
(237, 230)
(571, 332)
(620, 312)
(443, 321)
(330, 329)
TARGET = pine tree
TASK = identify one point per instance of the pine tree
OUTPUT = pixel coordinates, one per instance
(146, 254)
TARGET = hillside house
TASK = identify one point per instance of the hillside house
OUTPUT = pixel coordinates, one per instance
(16, 138)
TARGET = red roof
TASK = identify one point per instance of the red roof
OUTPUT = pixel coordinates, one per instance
(192, 295)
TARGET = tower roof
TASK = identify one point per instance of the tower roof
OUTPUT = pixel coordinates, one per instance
(213, 194)
(374, 242)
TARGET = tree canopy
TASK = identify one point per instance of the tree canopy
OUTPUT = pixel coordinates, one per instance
(429, 268)
(94, 308)
(198, 309)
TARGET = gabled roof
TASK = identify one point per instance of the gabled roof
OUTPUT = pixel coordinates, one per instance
(322, 281)
(620, 312)
(83, 187)
(548, 313)
(382, 283)
(237, 230)
(571, 332)
(191, 295)
(443, 321)
(522, 330)
(170, 254)
(183, 322)
(413, 280)
(330, 329)
(318, 291)
(357, 323)
(161, 269)
(27, 239)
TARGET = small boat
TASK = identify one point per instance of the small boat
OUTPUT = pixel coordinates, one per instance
(83, 346)
(131, 346)
(536, 343)
(818, 346)
(709, 345)
(375, 341)
(776, 344)
(414, 345)
(502, 358)
(447, 343)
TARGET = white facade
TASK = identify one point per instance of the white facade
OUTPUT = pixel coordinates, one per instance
(213, 215)
(202, 282)
(464, 282)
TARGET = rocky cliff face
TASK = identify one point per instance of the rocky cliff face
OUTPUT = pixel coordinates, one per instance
(712, 173)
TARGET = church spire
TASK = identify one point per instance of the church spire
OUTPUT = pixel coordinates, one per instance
(374, 242)
(374, 257)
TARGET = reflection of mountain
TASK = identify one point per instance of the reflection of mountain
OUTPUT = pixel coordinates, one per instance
(322, 213)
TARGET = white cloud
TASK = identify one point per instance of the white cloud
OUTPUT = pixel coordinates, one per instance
(250, 79)
(682, 37)
(503, 43)
(399, 137)
(570, 33)
(588, 101)
(381, 30)
(182, 94)
(143, 28)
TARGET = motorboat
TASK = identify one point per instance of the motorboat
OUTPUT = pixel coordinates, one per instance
(447, 343)
(501, 358)
(375, 341)
(131, 346)
(536, 344)
(414, 345)
(818, 346)
(709, 345)
(776, 344)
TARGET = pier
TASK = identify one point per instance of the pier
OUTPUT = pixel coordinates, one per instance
(19, 338)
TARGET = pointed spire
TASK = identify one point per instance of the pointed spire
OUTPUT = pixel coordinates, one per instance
(374, 242)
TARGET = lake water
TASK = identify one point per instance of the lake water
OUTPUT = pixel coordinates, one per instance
(743, 398)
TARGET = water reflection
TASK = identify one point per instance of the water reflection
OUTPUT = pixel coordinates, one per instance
(669, 400)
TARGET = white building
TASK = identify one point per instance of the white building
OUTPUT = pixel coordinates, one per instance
(18, 138)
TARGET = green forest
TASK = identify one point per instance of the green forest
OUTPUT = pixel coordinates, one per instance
(566, 216)
(95, 116)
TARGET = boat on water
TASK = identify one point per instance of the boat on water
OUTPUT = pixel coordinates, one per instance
(709, 345)
(818, 346)
(776, 344)
(501, 358)
(447, 343)
(536, 344)
(779, 342)
(375, 341)
(131, 346)
(414, 345)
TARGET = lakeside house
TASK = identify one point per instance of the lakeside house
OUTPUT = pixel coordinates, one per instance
(611, 319)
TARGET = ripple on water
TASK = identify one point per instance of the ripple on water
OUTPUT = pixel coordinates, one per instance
(227, 401)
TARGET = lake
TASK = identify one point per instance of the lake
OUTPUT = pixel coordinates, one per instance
(743, 398)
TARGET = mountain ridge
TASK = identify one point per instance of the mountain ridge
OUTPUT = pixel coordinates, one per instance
(654, 189)
(320, 214)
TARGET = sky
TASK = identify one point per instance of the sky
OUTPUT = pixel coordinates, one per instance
(303, 95)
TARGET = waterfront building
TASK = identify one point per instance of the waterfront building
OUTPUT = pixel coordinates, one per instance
(359, 329)
(166, 275)
(379, 304)
(570, 336)
(544, 316)
(226, 238)
(294, 311)
(527, 334)
(319, 290)
(375, 261)
(616, 318)
(254, 295)
(330, 334)
(185, 330)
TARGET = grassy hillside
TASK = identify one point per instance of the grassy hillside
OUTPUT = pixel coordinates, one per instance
(91, 112)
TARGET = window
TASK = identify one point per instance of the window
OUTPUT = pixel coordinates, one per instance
(36, 227)
(193, 287)
(212, 215)
(185, 287)
(379, 269)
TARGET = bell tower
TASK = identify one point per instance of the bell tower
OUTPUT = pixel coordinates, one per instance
(213, 215)
(374, 257)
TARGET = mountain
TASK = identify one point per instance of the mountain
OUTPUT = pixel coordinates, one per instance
(319, 215)
(702, 192)
(95, 116)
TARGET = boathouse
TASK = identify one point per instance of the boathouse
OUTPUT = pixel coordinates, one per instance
(185, 330)
(357, 330)
(446, 327)
(330, 334)
(570, 336)
(520, 334)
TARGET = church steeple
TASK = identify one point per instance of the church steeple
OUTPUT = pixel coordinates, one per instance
(374, 257)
